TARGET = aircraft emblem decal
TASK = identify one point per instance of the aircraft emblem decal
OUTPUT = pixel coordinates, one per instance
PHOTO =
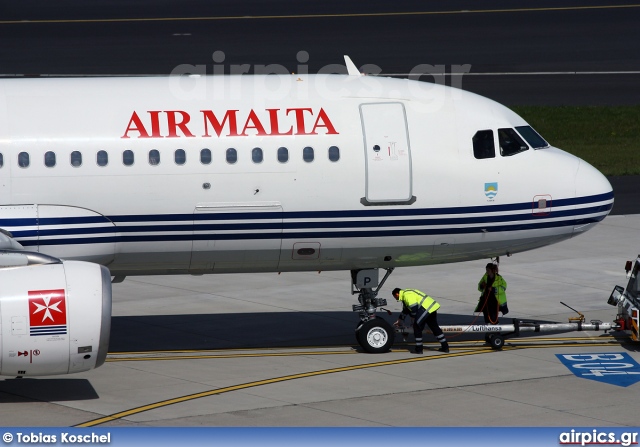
(47, 312)
(491, 190)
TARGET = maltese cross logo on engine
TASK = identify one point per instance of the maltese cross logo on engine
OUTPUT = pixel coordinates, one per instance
(47, 312)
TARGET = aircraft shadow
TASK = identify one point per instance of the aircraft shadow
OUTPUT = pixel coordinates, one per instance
(260, 330)
(45, 390)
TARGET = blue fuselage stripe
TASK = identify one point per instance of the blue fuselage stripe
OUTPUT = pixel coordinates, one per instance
(255, 225)
(310, 235)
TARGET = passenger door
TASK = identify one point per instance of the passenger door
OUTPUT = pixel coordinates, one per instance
(387, 154)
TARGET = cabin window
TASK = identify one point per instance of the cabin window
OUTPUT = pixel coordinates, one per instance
(334, 153)
(102, 158)
(205, 156)
(483, 144)
(23, 159)
(307, 154)
(283, 154)
(49, 159)
(76, 159)
(127, 157)
(256, 155)
(232, 155)
(1, 160)
(533, 138)
(154, 157)
(180, 157)
(510, 142)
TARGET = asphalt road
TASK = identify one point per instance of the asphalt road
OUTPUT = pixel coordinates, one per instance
(626, 195)
(561, 44)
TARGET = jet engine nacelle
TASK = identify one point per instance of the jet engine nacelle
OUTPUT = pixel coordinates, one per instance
(55, 316)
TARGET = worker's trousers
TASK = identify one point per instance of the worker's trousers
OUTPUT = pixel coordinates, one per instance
(424, 318)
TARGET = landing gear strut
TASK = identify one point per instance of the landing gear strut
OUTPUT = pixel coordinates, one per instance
(373, 333)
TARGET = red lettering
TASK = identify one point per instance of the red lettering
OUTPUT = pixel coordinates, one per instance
(178, 124)
(155, 124)
(174, 125)
(257, 125)
(135, 124)
(275, 128)
(230, 116)
(326, 123)
(300, 120)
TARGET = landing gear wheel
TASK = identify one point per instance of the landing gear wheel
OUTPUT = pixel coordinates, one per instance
(496, 341)
(375, 336)
(359, 327)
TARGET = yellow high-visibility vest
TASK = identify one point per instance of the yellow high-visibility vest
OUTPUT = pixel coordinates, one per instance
(413, 298)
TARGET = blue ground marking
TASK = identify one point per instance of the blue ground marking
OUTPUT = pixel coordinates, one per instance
(614, 368)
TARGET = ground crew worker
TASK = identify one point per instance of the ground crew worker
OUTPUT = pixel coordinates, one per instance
(494, 295)
(424, 311)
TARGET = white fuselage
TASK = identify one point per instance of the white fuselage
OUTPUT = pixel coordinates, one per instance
(394, 180)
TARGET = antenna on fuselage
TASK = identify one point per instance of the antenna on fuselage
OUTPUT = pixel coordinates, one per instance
(352, 70)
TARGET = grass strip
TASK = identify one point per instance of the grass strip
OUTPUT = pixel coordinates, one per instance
(606, 137)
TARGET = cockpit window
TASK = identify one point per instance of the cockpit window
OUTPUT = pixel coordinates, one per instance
(533, 138)
(510, 142)
(483, 145)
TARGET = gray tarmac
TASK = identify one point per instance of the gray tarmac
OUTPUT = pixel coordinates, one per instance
(279, 351)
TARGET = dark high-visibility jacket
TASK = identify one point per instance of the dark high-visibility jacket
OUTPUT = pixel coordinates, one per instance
(413, 299)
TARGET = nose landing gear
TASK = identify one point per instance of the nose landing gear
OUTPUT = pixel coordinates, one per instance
(373, 333)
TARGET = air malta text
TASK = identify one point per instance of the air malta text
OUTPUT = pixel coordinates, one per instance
(230, 123)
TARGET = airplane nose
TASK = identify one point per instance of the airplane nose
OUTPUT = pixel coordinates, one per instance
(594, 197)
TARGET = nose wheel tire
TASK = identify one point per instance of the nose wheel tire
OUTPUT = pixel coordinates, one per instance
(375, 336)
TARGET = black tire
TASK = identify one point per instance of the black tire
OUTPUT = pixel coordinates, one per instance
(375, 336)
(496, 341)
(359, 326)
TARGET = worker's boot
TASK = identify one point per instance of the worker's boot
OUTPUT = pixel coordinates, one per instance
(418, 350)
(444, 347)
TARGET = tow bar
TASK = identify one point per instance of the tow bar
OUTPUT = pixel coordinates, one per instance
(497, 333)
